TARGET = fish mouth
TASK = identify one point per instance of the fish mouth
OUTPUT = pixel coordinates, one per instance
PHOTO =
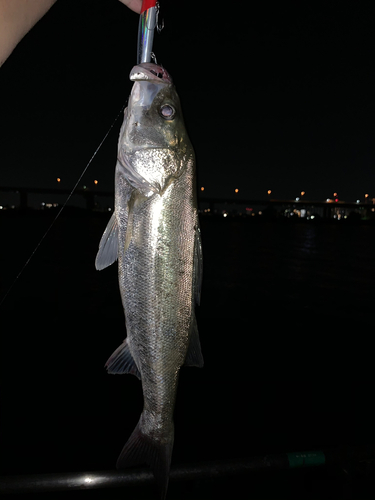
(150, 72)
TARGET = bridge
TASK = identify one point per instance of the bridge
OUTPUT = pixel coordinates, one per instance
(300, 207)
(325, 209)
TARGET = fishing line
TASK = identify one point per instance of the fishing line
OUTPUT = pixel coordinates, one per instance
(62, 208)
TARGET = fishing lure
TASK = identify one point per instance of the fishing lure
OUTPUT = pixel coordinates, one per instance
(148, 22)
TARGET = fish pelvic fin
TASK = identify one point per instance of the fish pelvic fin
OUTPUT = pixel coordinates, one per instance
(108, 246)
(143, 447)
(122, 361)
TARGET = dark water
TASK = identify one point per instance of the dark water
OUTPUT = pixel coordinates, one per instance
(286, 324)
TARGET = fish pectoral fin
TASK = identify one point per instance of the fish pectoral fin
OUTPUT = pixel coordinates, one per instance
(144, 448)
(108, 246)
(194, 355)
(122, 361)
(134, 178)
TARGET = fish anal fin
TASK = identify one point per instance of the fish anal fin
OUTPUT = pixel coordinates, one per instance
(108, 246)
(194, 353)
(122, 361)
(157, 453)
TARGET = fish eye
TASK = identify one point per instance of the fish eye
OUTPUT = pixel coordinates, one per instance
(167, 112)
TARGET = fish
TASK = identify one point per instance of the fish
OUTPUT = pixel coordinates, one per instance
(154, 234)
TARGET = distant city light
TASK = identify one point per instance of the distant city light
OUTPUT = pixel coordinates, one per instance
(202, 188)
(58, 179)
(49, 205)
(269, 192)
(335, 195)
(236, 190)
(302, 193)
(366, 195)
(95, 182)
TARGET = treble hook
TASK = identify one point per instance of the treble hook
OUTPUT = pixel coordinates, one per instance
(159, 27)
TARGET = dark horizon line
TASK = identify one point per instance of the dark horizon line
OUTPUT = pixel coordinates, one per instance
(209, 199)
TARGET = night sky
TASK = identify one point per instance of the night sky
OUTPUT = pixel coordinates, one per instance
(275, 96)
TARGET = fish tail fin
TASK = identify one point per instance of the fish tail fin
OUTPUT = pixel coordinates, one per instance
(142, 447)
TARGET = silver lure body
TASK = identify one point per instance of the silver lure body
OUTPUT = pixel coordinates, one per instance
(155, 235)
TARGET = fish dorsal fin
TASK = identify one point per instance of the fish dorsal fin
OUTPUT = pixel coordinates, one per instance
(194, 353)
(198, 265)
(108, 246)
(122, 361)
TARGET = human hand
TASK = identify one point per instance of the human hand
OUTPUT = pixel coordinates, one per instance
(17, 17)
(134, 5)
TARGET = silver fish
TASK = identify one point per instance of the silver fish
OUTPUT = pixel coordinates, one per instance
(154, 232)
